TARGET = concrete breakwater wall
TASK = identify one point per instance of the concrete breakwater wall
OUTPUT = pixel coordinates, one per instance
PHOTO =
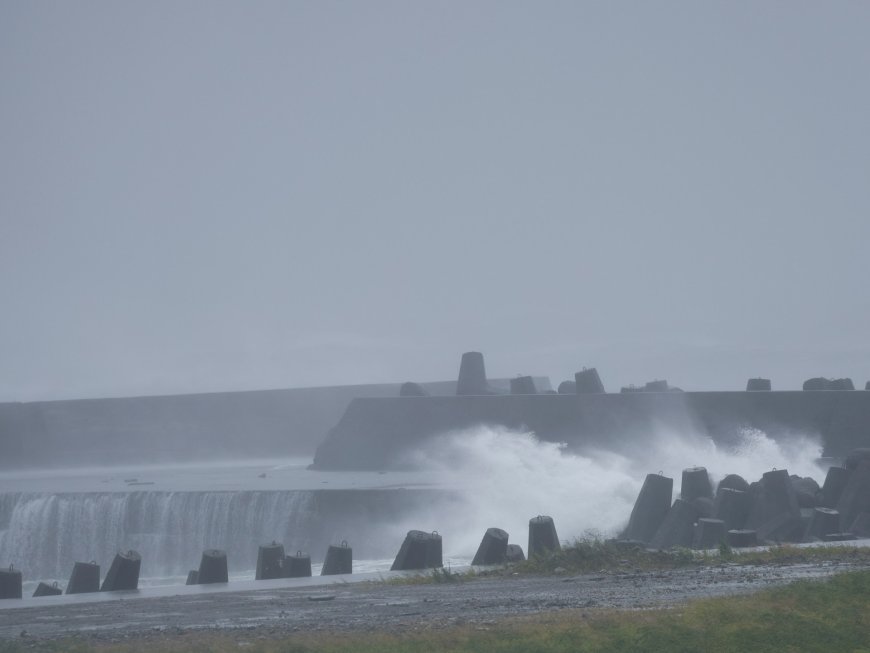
(375, 433)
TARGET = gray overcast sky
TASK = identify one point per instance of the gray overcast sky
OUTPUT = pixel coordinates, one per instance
(214, 195)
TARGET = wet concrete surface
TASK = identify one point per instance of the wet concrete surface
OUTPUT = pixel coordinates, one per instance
(276, 611)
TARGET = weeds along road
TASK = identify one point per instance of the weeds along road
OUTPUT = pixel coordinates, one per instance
(393, 607)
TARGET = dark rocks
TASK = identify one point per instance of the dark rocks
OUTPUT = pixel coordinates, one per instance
(515, 553)
(708, 533)
(339, 560)
(492, 549)
(213, 567)
(409, 389)
(472, 375)
(523, 385)
(10, 583)
(587, 381)
(758, 385)
(270, 561)
(734, 482)
(542, 535)
(297, 566)
(678, 527)
(652, 504)
(44, 589)
(85, 578)
(695, 483)
(123, 574)
(568, 388)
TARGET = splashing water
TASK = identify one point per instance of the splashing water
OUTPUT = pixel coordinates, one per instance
(507, 477)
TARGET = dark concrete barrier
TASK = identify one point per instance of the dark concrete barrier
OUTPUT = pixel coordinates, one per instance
(650, 508)
(410, 389)
(832, 489)
(823, 521)
(339, 560)
(732, 507)
(192, 577)
(123, 574)
(588, 382)
(704, 506)
(44, 589)
(297, 566)
(817, 383)
(472, 375)
(734, 482)
(492, 549)
(677, 528)
(10, 583)
(806, 490)
(842, 384)
(758, 385)
(695, 483)
(708, 534)
(740, 538)
(270, 561)
(434, 557)
(413, 553)
(523, 385)
(542, 535)
(855, 498)
(85, 578)
(515, 553)
(775, 513)
(213, 567)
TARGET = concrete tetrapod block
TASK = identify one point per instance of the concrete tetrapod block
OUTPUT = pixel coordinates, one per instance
(213, 567)
(44, 589)
(492, 549)
(85, 578)
(734, 482)
(192, 577)
(542, 535)
(775, 513)
(741, 538)
(732, 507)
(842, 384)
(339, 560)
(838, 537)
(588, 382)
(409, 389)
(514, 553)
(855, 457)
(806, 490)
(758, 385)
(861, 525)
(413, 552)
(855, 498)
(704, 506)
(270, 561)
(677, 528)
(123, 574)
(709, 533)
(652, 504)
(10, 583)
(434, 558)
(695, 483)
(523, 385)
(817, 383)
(835, 482)
(568, 388)
(472, 375)
(823, 521)
(297, 566)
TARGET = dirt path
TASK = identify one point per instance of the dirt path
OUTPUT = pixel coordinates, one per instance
(392, 607)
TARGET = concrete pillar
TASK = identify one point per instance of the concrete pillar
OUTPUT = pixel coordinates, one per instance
(270, 561)
(472, 375)
(650, 508)
(677, 528)
(213, 567)
(514, 553)
(732, 507)
(523, 385)
(823, 521)
(10, 583)
(835, 481)
(588, 382)
(44, 589)
(695, 483)
(124, 572)
(758, 385)
(192, 577)
(542, 535)
(708, 533)
(339, 560)
(742, 538)
(492, 549)
(85, 578)
(410, 389)
(298, 566)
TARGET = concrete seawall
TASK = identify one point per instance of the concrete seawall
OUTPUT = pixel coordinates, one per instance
(374, 433)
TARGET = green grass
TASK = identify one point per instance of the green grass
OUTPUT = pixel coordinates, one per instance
(831, 616)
